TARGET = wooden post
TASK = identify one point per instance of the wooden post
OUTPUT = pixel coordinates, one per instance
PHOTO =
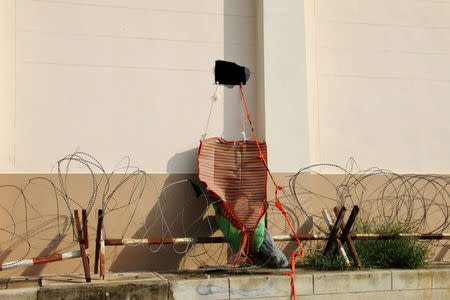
(85, 229)
(345, 237)
(333, 229)
(81, 241)
(97, 239)
(333, 235)
(40, 260)
(102, 253)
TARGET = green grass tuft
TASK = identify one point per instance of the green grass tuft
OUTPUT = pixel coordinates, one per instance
(402, 252)
(318, 261)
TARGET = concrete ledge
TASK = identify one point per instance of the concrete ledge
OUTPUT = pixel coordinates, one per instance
(407, 280)
(436, 294)
(376, 284)
(269, 286)
(144, 289)
(441, 279)
(420, 279)
(217, 288)
(19, 294)
(358, 281)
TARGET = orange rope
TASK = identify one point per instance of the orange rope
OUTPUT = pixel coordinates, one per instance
(277, 201)
(294, 254)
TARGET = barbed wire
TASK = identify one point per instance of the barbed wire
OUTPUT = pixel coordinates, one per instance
(144, 211)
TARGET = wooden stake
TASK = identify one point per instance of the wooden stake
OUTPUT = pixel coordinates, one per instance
(97, 239)
(333, 233)
(102, 253)
(345, 237)
(85, 229)
(81, 241)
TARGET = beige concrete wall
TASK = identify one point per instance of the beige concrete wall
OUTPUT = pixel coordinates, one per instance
(7, 83)
(45, 221)
(377, 81)
(116, 78)
(42, 226)
(286, 105)
(378, 75)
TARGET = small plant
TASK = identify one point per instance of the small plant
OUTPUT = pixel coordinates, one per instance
(401, 252)
(331, 261)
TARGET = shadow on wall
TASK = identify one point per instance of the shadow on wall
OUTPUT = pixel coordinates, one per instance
(183, 162)
(181, 209)
(306, 227)
(41, 235)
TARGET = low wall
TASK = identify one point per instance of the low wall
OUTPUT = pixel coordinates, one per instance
(376, 284)
(380, 284)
